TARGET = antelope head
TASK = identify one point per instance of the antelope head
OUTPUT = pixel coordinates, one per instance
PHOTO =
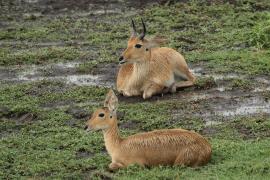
(138, 47)
(105, 117)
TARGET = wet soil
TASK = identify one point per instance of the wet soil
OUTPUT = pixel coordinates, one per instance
(131, 125)
(103, 75)
(18, 117)
(83, 153)
(78, 112)
(93, 7)
(214, 99)
(19, 121)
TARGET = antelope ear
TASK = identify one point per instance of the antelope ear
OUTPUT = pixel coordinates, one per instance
(155, 42)
(111, 101)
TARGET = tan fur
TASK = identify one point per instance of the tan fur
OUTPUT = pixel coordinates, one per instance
(150, 69)
(159, 147)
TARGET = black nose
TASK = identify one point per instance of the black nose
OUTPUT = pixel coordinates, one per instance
(121, 58)
(85, 127)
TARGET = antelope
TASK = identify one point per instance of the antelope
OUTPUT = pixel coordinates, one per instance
(147, 69)
(158, 147)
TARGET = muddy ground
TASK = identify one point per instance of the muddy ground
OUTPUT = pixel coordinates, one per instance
(218, 92)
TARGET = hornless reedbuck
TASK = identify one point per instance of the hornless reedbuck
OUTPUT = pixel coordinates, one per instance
(147, 69)
(159, 147)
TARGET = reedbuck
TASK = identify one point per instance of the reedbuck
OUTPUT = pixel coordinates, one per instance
(147, 69)
(159, 147)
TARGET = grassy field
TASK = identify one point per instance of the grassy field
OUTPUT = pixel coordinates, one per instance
(42, 116)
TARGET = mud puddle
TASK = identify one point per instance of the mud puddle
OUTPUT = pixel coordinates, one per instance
(244, 106)
(64, 72)
(62, 6)
(218, 101)
(224, 82)
(214, 108)
(80, 80)
(200, 72)
(44, 44)
(105, 75)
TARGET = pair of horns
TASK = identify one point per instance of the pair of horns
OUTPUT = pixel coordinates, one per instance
(134, 32)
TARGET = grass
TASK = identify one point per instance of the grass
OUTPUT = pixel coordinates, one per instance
(51, 144)
(243, 62)
(55, 145)
(200, 31)
(205, 83)
(39, 56)
(241, 84)
(260, 35)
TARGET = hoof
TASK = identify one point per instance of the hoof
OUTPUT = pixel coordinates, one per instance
(115, 166)
(126, 94)
(146, 96)
(173, 89)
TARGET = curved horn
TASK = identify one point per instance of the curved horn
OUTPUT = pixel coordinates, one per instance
(134, 33)
(144, 31)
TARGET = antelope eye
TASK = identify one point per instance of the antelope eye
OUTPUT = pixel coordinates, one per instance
(101, 115)
(138, 46)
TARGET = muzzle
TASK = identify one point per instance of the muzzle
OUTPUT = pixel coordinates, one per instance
(121, 60)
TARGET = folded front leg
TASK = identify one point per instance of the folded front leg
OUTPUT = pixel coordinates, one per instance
(115, 165)
(152, 89)
(171, 89)
(131, 92)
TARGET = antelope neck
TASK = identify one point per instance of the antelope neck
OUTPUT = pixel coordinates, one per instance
(111, 136)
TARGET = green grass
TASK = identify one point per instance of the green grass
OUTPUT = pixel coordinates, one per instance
(243, 62)
(260, 35)
(50, 144)
(221, 37)
(225, 35)
(241, 84)
(205, 83)
(28, 97)
(39, 56)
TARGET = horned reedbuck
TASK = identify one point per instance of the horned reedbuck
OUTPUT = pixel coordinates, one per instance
(147, 69)
(159, 147)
